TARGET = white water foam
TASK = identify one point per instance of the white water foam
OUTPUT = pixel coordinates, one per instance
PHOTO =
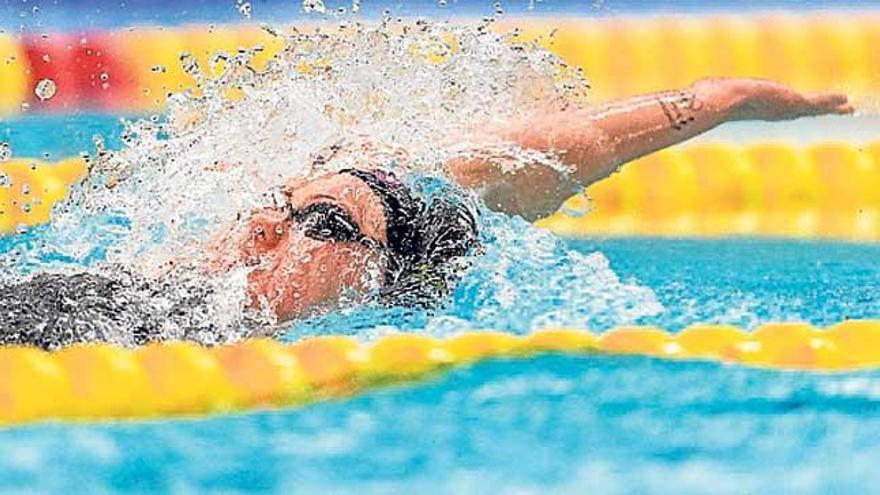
(403, 95)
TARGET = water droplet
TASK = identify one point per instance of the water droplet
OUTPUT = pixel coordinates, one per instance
(189, 65)
(25, 189)
(26, 207)
(45, 58)
(157, 69)
(5, 152)
(45, 89)
(245, 10)
(104, 76)
(314, 6)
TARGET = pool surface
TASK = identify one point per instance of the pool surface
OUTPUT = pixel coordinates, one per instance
(551, 423)
(544, 425)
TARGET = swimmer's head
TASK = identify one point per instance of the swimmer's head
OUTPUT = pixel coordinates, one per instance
(428, 243)
(357, 235)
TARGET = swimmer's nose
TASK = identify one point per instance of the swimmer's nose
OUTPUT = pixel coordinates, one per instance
(268, 235)
(265, 232)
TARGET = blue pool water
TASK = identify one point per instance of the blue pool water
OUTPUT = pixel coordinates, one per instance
(744, 282)
(551, 424)
(748, 281)
(544, 425)
(53, 137)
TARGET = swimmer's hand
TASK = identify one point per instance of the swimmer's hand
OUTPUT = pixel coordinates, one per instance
(758, 99)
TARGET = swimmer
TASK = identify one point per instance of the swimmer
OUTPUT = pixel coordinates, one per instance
(361, 234)
(346, 221)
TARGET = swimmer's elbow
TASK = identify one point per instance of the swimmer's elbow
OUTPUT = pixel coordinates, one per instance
(573, 137)
(532, 191)
(486, 180)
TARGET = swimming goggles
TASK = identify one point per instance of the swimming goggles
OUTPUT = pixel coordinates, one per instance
(328, 222)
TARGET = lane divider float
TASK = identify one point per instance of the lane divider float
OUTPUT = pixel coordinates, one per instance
(98, 381)
(30, 187)
(131, 70)
(826, 190)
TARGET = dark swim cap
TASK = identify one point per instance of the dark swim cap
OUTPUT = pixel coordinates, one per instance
(428, 243)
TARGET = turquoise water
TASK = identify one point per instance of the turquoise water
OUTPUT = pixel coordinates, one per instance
(552, 424)
(58, 136)
(744, 282)
(548, 424)
(748, 281)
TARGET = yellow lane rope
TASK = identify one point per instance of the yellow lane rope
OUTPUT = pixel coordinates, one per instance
(99, 381)
(14, 78)
(29, 188)
(829, 190)
(620, 55)
(626, 55)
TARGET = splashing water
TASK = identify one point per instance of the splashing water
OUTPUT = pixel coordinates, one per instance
(527, 279)
(400, 95)
(45, 89)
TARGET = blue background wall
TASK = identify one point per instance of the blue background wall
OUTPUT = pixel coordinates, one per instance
(18, 15)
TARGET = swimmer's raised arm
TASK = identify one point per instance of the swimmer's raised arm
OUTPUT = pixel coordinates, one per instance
(596, 141)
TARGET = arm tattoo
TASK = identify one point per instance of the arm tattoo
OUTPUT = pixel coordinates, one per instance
(680, 108)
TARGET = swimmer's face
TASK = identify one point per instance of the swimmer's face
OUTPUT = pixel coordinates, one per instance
(309, 261)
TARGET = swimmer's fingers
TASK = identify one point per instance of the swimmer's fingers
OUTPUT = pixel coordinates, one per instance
(845, 109)
(768, 100)
(829, 103)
